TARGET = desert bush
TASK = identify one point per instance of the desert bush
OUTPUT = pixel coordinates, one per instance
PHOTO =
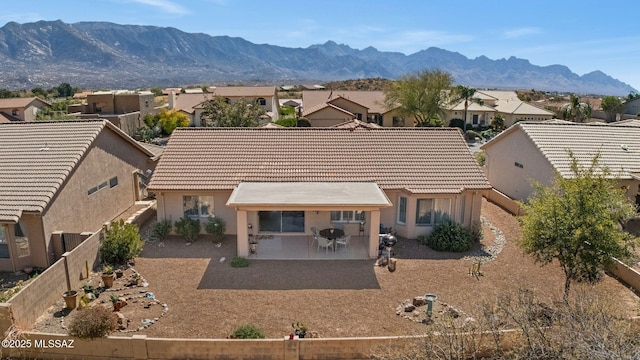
(287, 122)
(481, 158)
(216, 227)
(248, 332)
(450, 236)
(189, 228)
(239, 261)
(304, 122)
(93, 322)
(161, 229)
(121, 243)
(459, 123)
(471, 135)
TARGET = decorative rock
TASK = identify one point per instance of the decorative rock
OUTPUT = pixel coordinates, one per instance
(419, 301)
(123, 322)
(454, 313)
(409, 308)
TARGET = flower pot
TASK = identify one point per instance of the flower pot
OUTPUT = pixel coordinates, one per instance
(70, 299)
(107, 280)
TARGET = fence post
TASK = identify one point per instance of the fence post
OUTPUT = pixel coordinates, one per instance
(66, 271)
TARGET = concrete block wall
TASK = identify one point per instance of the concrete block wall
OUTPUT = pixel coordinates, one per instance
(629, 275)
(504, 202)
(43, 291)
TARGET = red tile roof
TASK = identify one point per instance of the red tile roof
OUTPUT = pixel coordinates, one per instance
(419, 160)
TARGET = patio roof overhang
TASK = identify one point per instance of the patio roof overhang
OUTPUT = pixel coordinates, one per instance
(315, 196)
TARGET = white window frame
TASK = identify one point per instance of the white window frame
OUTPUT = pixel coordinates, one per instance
(204, 204)
(402, 208)
(347, 216)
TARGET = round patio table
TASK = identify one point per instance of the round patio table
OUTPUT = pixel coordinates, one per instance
(331, 235)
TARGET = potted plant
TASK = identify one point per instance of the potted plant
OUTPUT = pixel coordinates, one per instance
(107, 275)
(299, 329)
(117, 303)
(70, 299)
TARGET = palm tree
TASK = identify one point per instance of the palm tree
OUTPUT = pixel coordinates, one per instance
(575, 110)
(465, 93)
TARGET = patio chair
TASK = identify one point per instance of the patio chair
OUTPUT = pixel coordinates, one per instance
(314, 231)
(325, 243)
(344, 241)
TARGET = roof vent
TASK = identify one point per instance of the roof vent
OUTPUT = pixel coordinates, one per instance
(624, 147)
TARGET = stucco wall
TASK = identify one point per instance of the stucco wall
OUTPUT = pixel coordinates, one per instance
(170, 207)
(328, 117)
(73, 210)
(512, 180)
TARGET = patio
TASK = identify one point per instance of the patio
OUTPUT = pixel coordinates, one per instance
(304, 247)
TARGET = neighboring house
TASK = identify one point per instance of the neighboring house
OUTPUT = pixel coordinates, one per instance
(192, 104)
(328, 108)
(486, 104)
(353, 124)
(632, 107)
(288, 180)
(21, 109)
(534, 151)
(70, 176)
(125, 109)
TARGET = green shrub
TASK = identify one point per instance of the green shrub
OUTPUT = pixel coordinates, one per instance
(450, 236)
(93, 322)
(304, 122)
(189, 228)
(481, 157)
(121, 243)
(216, 227)
(287, 122)
(248, 332)
(161, 229)
(239, 261)
(459, 123)
(471, 135)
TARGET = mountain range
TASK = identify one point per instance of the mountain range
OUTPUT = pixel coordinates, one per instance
(100, 55)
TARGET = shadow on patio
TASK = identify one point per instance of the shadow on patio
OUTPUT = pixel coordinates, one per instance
(291, 275)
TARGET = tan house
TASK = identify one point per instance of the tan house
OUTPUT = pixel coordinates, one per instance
(328, 108)
(534, 151)
(489, 103)
(192, 103)
(69, 176)
(285, 181)
(21, 109)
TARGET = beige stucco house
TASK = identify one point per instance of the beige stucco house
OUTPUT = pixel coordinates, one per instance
(286, 180)
(69, 176)
(489, 103)
(328, 108)
(535, 151)
(21, 109)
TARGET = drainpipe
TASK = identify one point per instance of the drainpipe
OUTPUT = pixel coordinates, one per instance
(473, 198)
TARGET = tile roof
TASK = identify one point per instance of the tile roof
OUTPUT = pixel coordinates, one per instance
(419, 160)
(19, 102)
(355, 123)
(374, 100)
(5, 118)
(619, 146)
(472, 106)
(518, 107)
(37, 157)
(321, 106)
(187, 102)
(243, 91)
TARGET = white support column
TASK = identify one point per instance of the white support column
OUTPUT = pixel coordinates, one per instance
(243, 233)
(374, 231)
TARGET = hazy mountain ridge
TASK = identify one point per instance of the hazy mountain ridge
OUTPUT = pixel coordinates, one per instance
(107, 55)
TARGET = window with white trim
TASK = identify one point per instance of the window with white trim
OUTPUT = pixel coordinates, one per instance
(4, 246)
(347, 216)
(432, 211)
(402, 210)
(22, 241)
(195, 206)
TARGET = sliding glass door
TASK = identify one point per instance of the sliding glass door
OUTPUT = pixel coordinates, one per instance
(281, 221)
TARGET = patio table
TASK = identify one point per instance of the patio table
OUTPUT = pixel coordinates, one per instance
(332, 234)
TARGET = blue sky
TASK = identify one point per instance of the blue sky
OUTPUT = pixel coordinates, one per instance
(585, 36)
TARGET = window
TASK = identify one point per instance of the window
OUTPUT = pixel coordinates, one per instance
(517, 164)
(102, 186)
(197, 206)
(347, 216)
(398, 121)
(92, 190)
(432, 211)
(358, 116)
(146, 103)
(402, 210)
(15, 112)
(4, 247)
(113, 182)
(423, 211)
(475, 119)
(261, 101)
(22, 241)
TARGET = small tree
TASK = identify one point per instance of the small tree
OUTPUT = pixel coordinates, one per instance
(577, 222)
(612, 106)
(497, 123)
(121, 243)
(189, 228)
(459, 123)
(170, 120)
(216, 227)
(220, 112)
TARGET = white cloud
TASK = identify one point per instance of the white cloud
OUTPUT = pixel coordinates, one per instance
(520, 32)
(164, 5)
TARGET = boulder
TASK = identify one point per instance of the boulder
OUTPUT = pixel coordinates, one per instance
(419, 301)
